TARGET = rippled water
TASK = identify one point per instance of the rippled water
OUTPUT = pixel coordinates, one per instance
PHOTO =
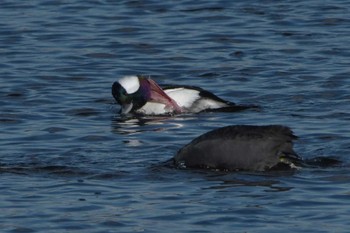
(68, 163)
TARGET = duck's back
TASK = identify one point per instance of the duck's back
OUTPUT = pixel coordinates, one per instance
(254, 148)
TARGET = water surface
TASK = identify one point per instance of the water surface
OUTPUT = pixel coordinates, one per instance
(69, 163)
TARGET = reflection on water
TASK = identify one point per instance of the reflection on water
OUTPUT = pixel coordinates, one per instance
(137, 124)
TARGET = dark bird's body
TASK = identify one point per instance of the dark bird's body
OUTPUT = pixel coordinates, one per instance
(241, 147)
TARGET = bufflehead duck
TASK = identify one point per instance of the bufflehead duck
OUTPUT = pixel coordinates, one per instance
(142, 95)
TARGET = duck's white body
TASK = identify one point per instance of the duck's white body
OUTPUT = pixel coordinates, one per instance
(188, 99)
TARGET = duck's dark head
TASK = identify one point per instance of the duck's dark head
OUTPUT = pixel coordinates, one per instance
(131, 92)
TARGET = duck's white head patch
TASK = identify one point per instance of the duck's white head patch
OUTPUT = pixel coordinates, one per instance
(130, 83)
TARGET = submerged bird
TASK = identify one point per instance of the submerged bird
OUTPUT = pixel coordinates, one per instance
(138, 94)
(241, 147)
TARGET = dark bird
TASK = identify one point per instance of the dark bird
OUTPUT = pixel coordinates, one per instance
(241, 147)
(138, 94)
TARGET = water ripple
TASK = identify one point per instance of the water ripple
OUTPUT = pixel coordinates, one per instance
(69, 162)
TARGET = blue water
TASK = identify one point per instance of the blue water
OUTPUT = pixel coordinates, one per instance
(68, 163)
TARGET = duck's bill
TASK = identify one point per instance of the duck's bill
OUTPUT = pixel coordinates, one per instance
(126, 108)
